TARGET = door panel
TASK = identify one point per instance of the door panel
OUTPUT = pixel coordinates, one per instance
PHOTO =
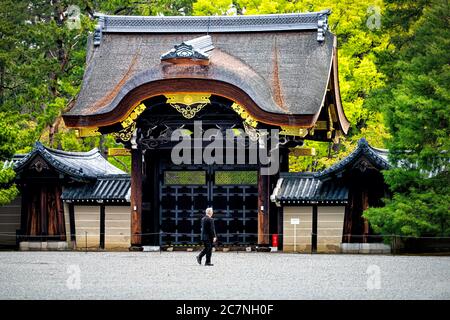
(186, 191)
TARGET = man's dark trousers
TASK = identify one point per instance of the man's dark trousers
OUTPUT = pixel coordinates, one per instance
(207, 251)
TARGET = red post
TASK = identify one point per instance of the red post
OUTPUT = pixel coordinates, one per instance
(275, 240)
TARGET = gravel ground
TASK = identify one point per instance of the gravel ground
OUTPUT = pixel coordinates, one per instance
(176, 275)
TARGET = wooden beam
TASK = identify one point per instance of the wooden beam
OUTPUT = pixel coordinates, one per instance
(136, 197)
(171, 86)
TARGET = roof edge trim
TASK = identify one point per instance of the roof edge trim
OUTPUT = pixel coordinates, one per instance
(211, 24)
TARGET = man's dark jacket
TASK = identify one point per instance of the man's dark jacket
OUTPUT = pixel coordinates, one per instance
(208, 230)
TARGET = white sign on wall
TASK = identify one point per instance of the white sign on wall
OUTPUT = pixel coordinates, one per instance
(295, 221)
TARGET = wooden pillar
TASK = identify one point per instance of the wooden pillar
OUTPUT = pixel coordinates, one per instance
(284, 167)
(43, 231)
(314, 229)
(136, 197)
(346, 238)
(72, 224)
(280, 228)
(263, 209)
(102, 226)
(365, 206)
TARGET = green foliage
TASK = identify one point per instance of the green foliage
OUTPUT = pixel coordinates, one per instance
(397, 74)
(415, 101)
(416, 213)
(8, 190)
(358, 72)
(146, 8)
(42, 59)
(8, 136)
(207, 7)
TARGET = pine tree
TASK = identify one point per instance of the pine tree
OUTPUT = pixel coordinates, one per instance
(416, 102)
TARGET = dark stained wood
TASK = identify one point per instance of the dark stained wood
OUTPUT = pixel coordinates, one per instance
(314, 229)
(365, 206)
(160, 87)
(44, 212)
(346, 238)
(43, 230)
(102, 226)
(343, 121)
(72, 222)
(136, 197)
(280, 228)
(263, 209)
(61, 225)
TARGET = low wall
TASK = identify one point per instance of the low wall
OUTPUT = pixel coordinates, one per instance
(303, 230)
(330, 224)
(87, 227)
(9, 222)
(43, 245)
(117, 227)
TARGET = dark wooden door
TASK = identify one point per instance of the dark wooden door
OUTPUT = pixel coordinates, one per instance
(186, 191)
(44, 212)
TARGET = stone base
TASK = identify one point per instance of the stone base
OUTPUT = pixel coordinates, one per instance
(136, 248)
(328, 248)
(372, 248)
(151, 248)
(43, 246)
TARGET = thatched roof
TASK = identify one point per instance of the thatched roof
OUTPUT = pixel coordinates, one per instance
(282, 63)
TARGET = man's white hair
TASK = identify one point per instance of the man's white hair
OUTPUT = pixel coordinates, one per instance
(209, 210)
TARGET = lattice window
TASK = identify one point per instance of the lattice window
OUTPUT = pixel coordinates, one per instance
(236, 177)
(184, 177)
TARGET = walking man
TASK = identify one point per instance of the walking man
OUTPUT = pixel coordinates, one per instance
(208, 237)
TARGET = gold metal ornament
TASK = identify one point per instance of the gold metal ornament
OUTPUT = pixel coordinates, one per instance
(188, 104)
(133, 115)
(248, 119)
(126, 133)
(116, 152)
(294, 131)
(87, 132)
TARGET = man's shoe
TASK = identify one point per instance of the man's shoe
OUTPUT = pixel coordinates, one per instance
(199, 260)
(209, 264)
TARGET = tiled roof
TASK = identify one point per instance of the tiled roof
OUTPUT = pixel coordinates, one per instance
(114, 188)
(13, 161)
(78, 165)
(377, 157)
(297, 188)
(211, 24)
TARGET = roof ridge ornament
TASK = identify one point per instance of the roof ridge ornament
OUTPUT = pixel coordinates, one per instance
(195, 50)
(98, 29)
(322, 25)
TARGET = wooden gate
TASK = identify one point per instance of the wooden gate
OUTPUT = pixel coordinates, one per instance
(186, 191)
